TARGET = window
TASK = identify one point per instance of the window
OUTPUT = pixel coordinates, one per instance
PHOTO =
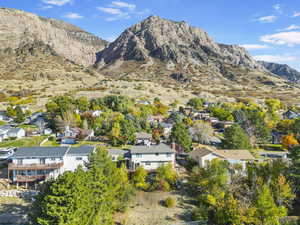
(148, 163)
(52, 159)
(79, 158)
(20, 161)
(169, 154)
(157, 154)
(42, 161)
(139, 155)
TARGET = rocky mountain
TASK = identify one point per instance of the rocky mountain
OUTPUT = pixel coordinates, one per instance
(160, 48)
(18, 28)
(36, 60)
(283, 71)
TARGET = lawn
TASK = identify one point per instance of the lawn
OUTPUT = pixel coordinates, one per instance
(24, 142)
(2, 123)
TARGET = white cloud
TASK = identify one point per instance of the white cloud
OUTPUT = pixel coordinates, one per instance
(73, 16)
(267, 19)
(46, 7)
(57, 2)
(275, 58)
(111, 11)
(283, 38)
(120, 4)
(296, 14)
(111, 39)
(121, 10)
(291, 27)
(277, 7)
(254, 46)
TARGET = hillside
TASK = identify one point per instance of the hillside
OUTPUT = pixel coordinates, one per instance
(171, 52)
(283, 70)
(18, 28)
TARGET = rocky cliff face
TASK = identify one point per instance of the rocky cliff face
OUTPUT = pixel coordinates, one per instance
(178, 45)
(18, 28)
(36, 60)
(283, 71)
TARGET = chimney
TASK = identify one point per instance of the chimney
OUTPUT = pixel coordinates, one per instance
(173, 145)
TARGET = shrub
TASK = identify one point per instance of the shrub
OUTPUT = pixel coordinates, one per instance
(170, 202)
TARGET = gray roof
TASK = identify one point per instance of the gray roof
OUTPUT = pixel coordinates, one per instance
(40, 152)
(116, 151)
(143, 135)
(81, 150)
(161, 148)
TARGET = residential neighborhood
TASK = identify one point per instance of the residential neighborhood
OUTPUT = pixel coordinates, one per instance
(155, 146)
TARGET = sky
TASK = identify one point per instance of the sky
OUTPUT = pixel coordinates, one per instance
(268, 29)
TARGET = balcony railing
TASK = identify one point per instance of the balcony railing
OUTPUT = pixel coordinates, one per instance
(23, 178)
(13, 166)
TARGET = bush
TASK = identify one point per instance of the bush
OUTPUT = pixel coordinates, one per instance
(170, 202)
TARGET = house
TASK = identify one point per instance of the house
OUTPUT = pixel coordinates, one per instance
(35, 164)
(277, 137)
(290, 115)
(47, 131)
(6, 153)
(167, 128)
(154, 119)
(70, 132)
(143, 138)
(16, 133)
(117, 154)
(204, 155)
(4, 130)
(151, 157)
(95, 113)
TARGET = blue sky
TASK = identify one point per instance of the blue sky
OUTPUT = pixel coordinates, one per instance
(269, 29)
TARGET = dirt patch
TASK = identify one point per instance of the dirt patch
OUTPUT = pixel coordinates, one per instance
(147, 209)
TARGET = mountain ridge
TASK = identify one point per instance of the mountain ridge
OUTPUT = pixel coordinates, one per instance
(283, 70)
(18, 27)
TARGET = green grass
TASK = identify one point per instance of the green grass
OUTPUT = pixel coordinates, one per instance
(93, 143)
(2, 123)
(26, 126)
(50, 143)
(24, 142)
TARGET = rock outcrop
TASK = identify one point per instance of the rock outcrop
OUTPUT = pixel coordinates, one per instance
(187, 48)
(282, 70)
(18, 28)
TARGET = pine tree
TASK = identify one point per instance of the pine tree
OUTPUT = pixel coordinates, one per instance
(181, 136)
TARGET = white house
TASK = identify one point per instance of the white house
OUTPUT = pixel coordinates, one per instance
(34, 164)
(116, 154)
(143, 138)
(167, 128)
(16, 133)
(202, 156)
(151, 157)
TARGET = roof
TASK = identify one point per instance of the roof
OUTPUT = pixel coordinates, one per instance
(198, 153)
(15, 130)
(161, 148)
(82, 150)
(226, 154)
(116, 151)
(40, 152)
(235, 154)
(143, 135)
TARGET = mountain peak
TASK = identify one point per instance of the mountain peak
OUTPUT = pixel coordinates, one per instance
(173, 42)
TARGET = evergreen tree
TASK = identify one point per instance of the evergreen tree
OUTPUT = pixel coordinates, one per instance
(235, 138)
(181, 136)
(267, 212)
(20, 116)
